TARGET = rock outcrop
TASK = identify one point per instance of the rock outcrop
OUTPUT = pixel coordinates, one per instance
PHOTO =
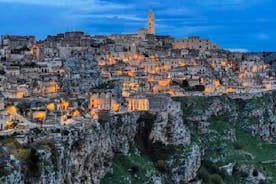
(169, 127)
(83, 153)
(184, 167)
(69, 155)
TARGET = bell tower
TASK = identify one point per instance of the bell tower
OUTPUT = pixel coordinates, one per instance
(151, 22)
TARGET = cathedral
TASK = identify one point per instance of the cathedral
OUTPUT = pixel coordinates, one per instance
(151, 23)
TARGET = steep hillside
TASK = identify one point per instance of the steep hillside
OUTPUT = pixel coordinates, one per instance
(222, 139)
(235, 134)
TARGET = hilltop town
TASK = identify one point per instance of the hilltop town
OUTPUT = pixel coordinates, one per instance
(74, 76)
(134, 108)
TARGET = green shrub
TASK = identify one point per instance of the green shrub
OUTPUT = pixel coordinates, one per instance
(204, 175)
(161, 165)
(237, 146)
(33, 161)
(20, 151)
(216, 179)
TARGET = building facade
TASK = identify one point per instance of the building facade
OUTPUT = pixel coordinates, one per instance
(151, 22)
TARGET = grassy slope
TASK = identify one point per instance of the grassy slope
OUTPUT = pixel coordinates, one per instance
(21, 152)
(131, 168)
(251, 150)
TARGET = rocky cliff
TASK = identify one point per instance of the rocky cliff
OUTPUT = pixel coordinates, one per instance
(58, 155)
(225, 139)
(85, 153)
(236, 134)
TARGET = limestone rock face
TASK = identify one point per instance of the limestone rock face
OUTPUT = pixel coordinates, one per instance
(200, 117)
(72, 155)
(217, 108)
(169, 128)
(185, 168)
(88, 160)
(82, 154)
(122, 131)
(9, 168)
(14, 177)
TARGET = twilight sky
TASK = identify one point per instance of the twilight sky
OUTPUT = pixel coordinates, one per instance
(235, 24)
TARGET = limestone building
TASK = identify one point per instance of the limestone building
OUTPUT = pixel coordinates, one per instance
(151, 22)
(195, 42)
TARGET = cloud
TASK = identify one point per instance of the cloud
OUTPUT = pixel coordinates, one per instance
(263, 36)
(183, 11)
(47, 3)
(231, 23)
(88, 5)
(111, 16)
(238, 50)
(230, 3)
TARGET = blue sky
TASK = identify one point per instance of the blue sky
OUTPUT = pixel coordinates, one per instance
(234, 24)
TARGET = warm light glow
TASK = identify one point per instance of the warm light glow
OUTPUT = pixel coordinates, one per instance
(8, 125)
(11, 110)
(126, 59)
(230, 65)
(243, 75)
(223, 63)
(119, 72)
(129, 87)
(152, 57)
(245, 84)
(64, 105)
(254, 69)
(194, 63)
(125, 94)
(76, 113)
(111, 61)
(101, 63)
(51, 106)
(34, 50)
(155, 89)
(202, 81)
(216, 83)
(182, 64)
(131, 73)
(165, 67)
(164, 82)
(263, 66)
(39, 115)
(150, 79)
(136, 57)
(115, 107)
(20, 94)
(213, 65)
(139, 104)
(230, 90)
(93, 112)
(207, 89)
(268, 86)
(95, 102)
(154, 70)
(171, 92)
(53, 88)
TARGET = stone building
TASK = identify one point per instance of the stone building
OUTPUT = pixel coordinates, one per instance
(151, 22)
(138, 103)
(12, 70)
(101, 100)
(18, 42)
(195, 42)
(2, 104)
(158, 102)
